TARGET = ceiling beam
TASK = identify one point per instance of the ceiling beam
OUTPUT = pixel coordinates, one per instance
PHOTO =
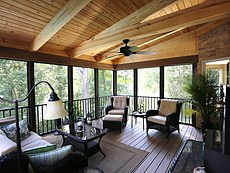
(205, 12)
(210, 26)
(134, 18)
(71, 8)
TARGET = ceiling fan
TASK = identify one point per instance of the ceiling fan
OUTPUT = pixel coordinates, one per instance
(130, 50)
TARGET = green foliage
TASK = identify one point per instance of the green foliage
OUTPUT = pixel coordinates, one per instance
(149, 82)
(56, 75)
(174, 79)
(13, 81)
(125, 82)
(83, 80)
(204, 97)
(105, 82)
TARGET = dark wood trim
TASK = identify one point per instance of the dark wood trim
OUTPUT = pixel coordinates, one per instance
(159, 62)
(114, 82)
(96, 92)
(70, 91)
(162, 81)
(135, 87)
(17, 54)
(194, 69)
(31, 99)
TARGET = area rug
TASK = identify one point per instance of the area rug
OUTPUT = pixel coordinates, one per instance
(120, 158)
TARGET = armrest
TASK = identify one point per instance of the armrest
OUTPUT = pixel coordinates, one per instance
(151, 113)
(108, 108)
(126, 113)
(72, 162)
(172, 118)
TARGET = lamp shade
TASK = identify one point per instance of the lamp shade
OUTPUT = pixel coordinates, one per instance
(55, 110)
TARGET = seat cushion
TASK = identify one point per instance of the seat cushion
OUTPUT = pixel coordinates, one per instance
(159, 119)
(6, 145)
(167, 107)
(119, 102)
(34, 140)
(110, 117)
(117, 112)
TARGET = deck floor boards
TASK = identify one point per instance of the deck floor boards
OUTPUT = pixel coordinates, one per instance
(161, 149)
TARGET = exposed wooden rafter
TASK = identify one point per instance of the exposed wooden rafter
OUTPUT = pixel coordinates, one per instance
(206, 12)
(210, 26)
(136, 17)
(58, 21)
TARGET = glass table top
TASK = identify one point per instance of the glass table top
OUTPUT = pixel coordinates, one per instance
(85, 132)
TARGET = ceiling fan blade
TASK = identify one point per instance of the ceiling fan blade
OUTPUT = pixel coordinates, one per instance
(118, 54)
(132, 56)
(145, 52)
(133, 48)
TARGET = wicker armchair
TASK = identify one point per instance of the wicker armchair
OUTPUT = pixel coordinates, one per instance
(119, 106)
(166, 118)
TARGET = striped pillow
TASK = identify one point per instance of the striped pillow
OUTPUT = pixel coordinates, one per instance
(41, 161)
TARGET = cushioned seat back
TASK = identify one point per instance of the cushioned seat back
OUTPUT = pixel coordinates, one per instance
(167, 107)
(119, 102)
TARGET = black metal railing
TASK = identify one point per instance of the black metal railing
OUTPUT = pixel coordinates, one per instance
(85, 107)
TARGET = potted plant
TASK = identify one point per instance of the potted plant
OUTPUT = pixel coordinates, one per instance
(203, 92)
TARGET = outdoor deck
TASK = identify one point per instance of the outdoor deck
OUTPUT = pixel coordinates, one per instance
(161, 150)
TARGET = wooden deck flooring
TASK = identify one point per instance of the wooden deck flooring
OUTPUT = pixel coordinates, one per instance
(161, 150)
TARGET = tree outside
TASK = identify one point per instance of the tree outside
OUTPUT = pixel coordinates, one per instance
(149, 82)
(13, 80)
(125, 82)
(83, 83)
(56, 75)
(175, 77)
(105, 82)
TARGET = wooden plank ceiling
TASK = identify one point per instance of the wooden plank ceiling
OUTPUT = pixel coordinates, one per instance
(93, 30)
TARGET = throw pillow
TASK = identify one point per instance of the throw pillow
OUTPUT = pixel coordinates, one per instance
(42, 161)
(10, 130)
(41, 149)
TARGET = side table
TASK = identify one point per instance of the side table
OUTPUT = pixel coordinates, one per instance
(138, 114)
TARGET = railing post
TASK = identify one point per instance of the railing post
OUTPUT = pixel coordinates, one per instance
(31, 99)
(135, 88)
(96, 85)
(114, 82)
(162, 82)
(70, 92)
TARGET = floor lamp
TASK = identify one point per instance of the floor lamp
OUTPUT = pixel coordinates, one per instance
(54, 109)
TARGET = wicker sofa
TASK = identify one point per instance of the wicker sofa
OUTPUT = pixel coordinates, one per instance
(34, 147)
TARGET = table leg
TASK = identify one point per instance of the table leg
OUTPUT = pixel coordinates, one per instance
(132, 122)
(100, 147)
(143, 123)
(63, 138)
